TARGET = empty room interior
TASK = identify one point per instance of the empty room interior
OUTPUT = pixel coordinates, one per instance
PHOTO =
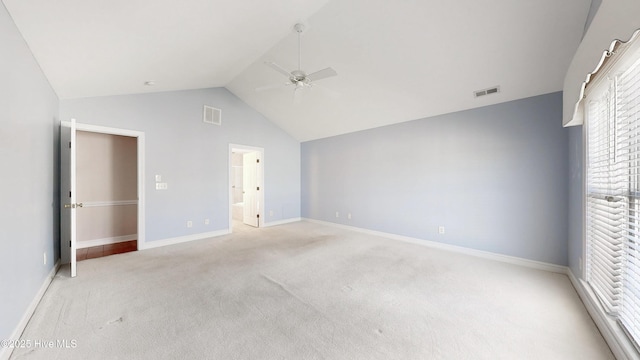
(320, 179)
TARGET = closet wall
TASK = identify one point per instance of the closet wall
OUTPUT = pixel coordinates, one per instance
(106, 175)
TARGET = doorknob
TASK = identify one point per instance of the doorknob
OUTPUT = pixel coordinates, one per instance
(80, 205)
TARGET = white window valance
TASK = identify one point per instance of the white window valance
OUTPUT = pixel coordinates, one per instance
(614, 19)
(608, 59)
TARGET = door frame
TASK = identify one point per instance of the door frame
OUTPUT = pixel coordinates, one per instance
(260, 151)
(140, 144)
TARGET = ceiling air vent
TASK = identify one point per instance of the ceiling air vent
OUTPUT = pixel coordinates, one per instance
(489, 91)
(212, 115)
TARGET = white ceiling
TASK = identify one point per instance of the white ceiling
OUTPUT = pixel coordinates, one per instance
(396, 60)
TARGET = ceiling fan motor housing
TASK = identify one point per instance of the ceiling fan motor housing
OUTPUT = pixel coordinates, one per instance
(298, 75)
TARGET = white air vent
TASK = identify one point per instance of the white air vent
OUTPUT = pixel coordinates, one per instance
(212, 115)
(489, 91)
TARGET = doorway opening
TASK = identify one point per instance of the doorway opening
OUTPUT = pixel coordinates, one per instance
(106, 185)
(103, 202)
(246, 187)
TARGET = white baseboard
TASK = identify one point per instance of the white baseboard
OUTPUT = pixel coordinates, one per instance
(459, 249)
(614, 336)
(281, 222)
(81, 244)
(6, 352)
(181, 239)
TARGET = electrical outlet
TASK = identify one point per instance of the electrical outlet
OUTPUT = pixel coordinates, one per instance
(44, 259)
(206, 221)
(440, 230)
(270, 212)
(189, 223)
(158, 178)
(337, 214)
(349, 216)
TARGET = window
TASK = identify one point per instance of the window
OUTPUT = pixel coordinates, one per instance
(612, 110)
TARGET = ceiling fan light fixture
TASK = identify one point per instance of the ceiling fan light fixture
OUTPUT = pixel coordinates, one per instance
(299, 78)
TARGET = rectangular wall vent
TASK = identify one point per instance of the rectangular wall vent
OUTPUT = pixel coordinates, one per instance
(212, 115)
(489, 91)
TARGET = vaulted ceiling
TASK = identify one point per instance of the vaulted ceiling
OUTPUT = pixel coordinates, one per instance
(396, 60)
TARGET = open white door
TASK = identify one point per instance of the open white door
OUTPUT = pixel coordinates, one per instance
(68, 194)
(251, 205)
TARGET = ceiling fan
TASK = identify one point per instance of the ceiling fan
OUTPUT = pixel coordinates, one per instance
(298, 78)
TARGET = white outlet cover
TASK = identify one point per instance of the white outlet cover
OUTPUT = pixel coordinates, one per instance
(189, 224)
(206, 221)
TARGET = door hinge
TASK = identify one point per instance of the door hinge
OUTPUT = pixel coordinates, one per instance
(69, 243)
(258, 216)
(258, 160)
(69, 144)
(258, 188)
(69, 193)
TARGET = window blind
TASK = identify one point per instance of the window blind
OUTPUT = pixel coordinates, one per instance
(613, 194)
(627, 117)
(605, 211)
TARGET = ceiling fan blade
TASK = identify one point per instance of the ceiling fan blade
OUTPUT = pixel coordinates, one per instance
(278, 68)
(322, 74)
(271, 87)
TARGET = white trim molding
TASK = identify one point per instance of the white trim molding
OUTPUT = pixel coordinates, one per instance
(612, 333)
(109, 203)
(141, 237)
(183, 239)
(281, 222)
(5, 352)
(458, 249)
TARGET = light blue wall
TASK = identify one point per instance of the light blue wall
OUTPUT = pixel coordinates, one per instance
(193, 157)
(494, 177)
(28, 188)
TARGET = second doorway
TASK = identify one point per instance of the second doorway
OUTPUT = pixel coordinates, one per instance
(247, 188)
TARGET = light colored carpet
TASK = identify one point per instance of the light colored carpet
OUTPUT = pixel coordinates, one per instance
(308, 291)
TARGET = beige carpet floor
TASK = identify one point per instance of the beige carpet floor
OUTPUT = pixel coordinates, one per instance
(308, 291)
